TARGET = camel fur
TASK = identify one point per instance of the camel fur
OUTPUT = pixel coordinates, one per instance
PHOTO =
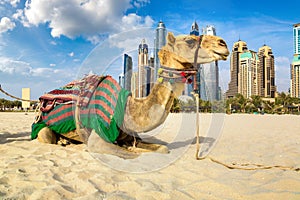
(145, 114)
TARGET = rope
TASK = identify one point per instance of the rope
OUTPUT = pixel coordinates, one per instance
(248, 166)
(38, 113)
(243, 166)
(14, 97)
(197, 127)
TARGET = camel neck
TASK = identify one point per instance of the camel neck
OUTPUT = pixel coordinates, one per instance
(166, 74)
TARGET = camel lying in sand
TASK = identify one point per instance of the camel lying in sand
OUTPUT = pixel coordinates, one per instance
(177, 59)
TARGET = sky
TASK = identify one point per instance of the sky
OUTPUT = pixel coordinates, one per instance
(45, 44)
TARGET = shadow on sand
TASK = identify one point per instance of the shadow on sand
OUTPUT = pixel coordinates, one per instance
(208, 142)
(8, 137)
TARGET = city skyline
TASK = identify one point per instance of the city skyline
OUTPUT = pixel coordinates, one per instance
(38, 51)
(251, 72)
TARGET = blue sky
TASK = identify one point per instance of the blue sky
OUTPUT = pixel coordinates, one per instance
(46, 43)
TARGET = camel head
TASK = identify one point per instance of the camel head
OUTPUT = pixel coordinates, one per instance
(179, 52)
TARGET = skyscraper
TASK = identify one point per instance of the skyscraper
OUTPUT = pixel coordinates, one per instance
(238, 48)
(196, 79)
(150, 74)
(295, 77)
(209, 74)
(209, 30)
(267, 72)
(295, 66)
(121, 80)
(159, 42)
(127, 72)
(251, 73)
(296, 35)
(142, 64)
(134, 84)
(248, 76)
(195, 29)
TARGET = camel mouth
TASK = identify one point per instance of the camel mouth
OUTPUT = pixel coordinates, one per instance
(222, 55)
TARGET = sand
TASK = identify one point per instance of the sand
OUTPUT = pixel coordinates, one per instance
(30, 170)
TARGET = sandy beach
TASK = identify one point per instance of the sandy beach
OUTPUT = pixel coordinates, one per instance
(30, 170)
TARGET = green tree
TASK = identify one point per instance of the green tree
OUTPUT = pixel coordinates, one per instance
(176, 106)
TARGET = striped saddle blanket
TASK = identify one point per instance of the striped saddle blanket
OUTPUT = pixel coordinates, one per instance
(102, 104)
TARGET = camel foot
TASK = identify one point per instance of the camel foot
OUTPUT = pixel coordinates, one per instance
(97, 145)
(63, 142)
(47, 136)
(71, 137)
(149, 147)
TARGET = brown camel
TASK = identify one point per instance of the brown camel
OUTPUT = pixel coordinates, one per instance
(177, 58)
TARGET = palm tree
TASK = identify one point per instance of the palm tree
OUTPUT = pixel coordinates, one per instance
(176, 106)
(232, 105)
(241, 101)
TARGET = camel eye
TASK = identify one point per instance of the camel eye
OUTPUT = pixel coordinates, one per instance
(222, 43)
(190, 41)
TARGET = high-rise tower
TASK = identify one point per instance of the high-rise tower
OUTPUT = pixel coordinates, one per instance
(134, 84)
(296, 36)
(209, 74)
(195, 29)
(248, 74)
(121, 80)
(142, 64)
(267, 72)
(127, 72)
(150, 74)
(238, 48)
(251, 73)
(159, 42)
(209, 30)
(295, 66)
(196, 79)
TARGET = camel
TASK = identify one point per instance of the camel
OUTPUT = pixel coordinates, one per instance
(178, 58)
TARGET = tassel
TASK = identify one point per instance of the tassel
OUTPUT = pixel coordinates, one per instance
(160, 70)
(160, 80)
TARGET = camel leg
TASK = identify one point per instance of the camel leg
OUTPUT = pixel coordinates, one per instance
(159, 148)
(46, 135)
(97, 145)
(72, 137)
(135, 144)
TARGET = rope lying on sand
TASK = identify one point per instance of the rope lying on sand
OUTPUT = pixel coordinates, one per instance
(242, 166)
(248, 166)
(14, 97)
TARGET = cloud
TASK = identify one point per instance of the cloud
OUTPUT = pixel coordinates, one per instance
(13, 3)
(9, 66)
(141, 3)
(133, 21)
(17, 74)
(21, 68)
(6, 24)
(71, 54)
(130, 40)
(90, 19)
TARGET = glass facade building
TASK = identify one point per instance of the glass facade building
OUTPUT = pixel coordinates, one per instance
(209, 74)
(296, 36)
(295, 66)
(195, 29)
(127, 72)
(142, 64)
(159, 42)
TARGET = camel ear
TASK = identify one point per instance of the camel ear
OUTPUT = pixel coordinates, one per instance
(171, 38)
